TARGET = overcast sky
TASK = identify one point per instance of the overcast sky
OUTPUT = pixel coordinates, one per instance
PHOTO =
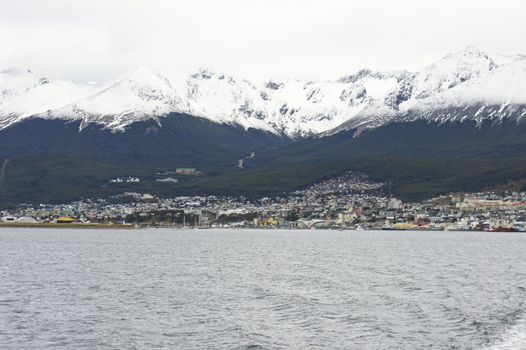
(100, 39)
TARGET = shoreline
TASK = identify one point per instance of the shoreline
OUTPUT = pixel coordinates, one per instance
(72, 225)
(134, 227)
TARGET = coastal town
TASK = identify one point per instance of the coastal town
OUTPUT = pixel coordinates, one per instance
(348, 202)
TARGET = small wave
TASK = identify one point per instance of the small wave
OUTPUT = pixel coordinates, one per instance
(513, 339)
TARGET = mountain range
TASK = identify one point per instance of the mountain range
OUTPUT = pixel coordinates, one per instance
(469, 84)
(466, 107)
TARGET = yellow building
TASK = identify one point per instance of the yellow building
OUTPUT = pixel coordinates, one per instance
(404, 226)
(64, 220)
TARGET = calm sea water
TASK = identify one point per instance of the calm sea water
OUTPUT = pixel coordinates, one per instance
(212, 289)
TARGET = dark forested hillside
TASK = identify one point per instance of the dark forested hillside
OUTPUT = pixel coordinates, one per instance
(51, 161)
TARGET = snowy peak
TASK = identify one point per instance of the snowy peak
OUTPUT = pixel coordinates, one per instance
(451, 71)
(141, 94)
(146, 79)
(466, 85)
(15, 81)
(225, 99)
(291, 107)
(142, 85)
(24, 94)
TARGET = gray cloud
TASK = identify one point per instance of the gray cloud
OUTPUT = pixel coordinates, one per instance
(97, 40)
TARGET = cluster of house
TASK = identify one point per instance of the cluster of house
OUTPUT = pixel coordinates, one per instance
(165, 177)
(129, 179)
(347, 202)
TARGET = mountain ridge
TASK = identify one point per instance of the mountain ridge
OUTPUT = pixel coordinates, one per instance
(292, 108)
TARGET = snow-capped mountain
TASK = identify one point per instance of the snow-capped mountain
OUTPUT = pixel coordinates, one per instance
(24, 94)
(225, 99)
(469, 84)
(141, 94)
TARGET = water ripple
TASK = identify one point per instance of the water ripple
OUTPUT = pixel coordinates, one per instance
(261, 290)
